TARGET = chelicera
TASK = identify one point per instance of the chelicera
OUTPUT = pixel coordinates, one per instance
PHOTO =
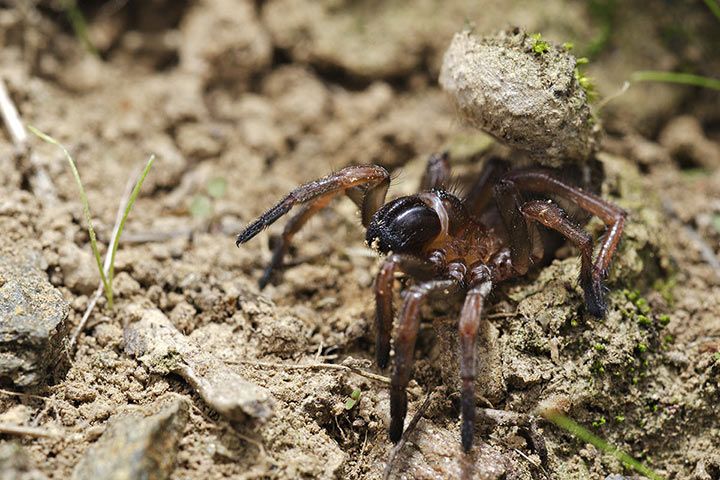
(449, 244)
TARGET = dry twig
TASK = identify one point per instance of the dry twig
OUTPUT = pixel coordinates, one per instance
(22, 394)
(40, 182)
(406, 434)
(313, 366)
(9, 429)
(12, 119)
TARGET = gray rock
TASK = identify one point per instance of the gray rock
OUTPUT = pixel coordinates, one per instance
(136, 446)
(435, 453)
(32, 322)
(529, 100)
(15, 464)
(155, 341)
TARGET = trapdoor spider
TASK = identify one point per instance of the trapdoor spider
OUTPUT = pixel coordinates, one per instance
(452, 245)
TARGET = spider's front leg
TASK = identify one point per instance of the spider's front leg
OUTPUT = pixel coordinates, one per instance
(408, 327)
(480, 285)
(366, 185)
(384, 315)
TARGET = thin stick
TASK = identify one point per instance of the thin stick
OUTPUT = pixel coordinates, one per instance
(12, 119)
(503, 315)
(610, 98)
(41, 184)
(313, 366)
(117, 231)
(21, 394)
(406, 434)
(10, 429)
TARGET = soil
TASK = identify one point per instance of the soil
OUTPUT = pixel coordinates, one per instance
(241, 101)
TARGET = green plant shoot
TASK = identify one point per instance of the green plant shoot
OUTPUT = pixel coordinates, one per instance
(85, 203)
(105, 279)
(578, 431)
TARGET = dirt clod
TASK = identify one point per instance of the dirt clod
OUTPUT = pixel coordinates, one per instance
(527, 97)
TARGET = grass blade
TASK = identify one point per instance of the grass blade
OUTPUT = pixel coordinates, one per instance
(86, 208)
(714, 7)
(79, 25)
(128, 207)
(675, 77)
(578, 431)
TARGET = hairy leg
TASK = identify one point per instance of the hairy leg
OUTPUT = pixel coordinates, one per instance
(375, 178)
(546, 182)
(470, 316)
(366, 185)
(481, 192)
(384, 315)
(291, 228)
(437, 172)
(552, 216)
(408, 326)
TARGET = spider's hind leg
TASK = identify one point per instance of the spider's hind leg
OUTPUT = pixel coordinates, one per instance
(546, 182)
(437, 172)
(552, 216)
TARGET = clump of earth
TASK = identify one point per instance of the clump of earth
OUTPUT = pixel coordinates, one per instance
(196, 373)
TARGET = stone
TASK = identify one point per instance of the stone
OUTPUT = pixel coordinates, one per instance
(136, 446)
(33, 323)
(15, 463)
(157, 344)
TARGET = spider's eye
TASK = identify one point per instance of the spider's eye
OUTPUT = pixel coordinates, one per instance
(403, 225)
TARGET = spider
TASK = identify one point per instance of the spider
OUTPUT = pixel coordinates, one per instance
(450, 244)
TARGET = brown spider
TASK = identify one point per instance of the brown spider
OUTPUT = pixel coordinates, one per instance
(450, 245)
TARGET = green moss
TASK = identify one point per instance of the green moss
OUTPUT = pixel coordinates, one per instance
(599, 422)
(642, 306)
(539, 46)
(642, 348)
(354, 398)
(619, 418)
(665, 288)
(598, 368)
(664, 319)
(600, 347)
(584, 81)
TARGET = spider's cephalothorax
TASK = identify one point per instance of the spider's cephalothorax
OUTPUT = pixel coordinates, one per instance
(438, 240)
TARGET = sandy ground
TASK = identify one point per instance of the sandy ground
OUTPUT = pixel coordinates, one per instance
(241, 107)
